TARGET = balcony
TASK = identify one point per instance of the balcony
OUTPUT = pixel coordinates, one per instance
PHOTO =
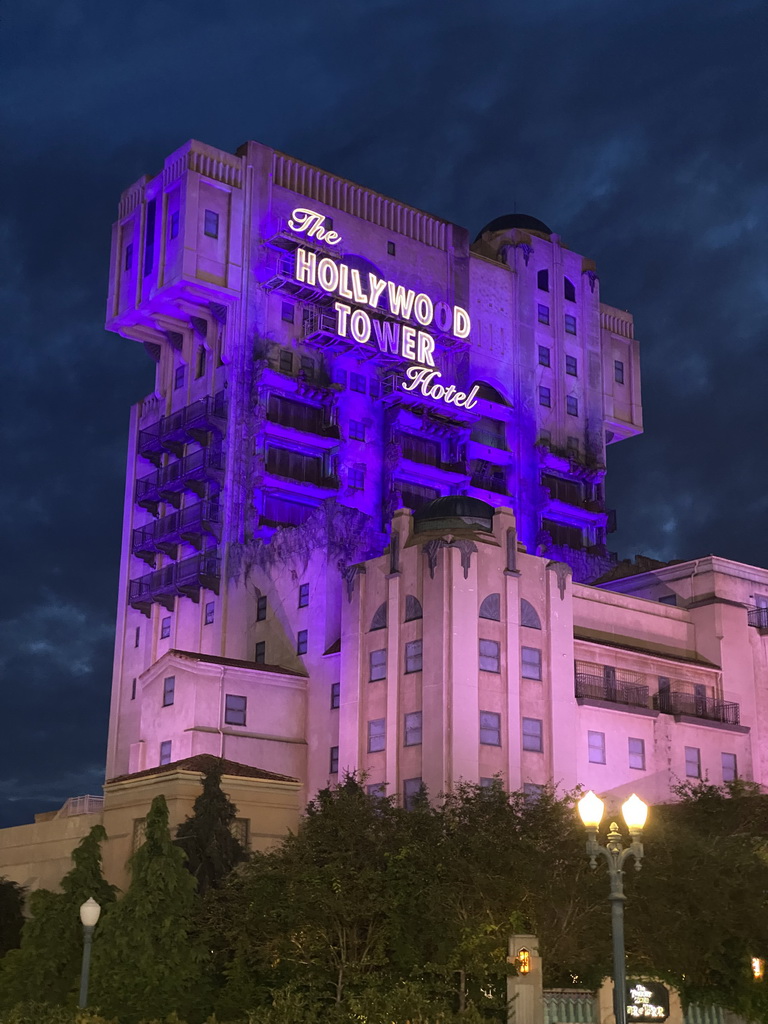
(303, 469)
(489, 477)
(758, 617)
(180, 579)
(299, 416)
(192, 423)
(491, 438)
(321, 329)
(192, 473)
(190, 525)
(612, 691)
(280, 271)
(676, 702)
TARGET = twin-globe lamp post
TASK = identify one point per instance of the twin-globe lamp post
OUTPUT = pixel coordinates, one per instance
(89, 915)
(635, 812)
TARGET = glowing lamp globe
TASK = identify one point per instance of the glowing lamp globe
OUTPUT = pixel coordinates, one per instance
(591, 810)
(635, 811)
(89, 913)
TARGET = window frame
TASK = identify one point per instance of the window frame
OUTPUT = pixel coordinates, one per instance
(488, 656)
(335, 696)
(413, 656)
(571, 365)
(413, 725)
(539, 663)
(165, 627)
(232, 710)
(379, 667)
(636, 755)
(166, 751)
(531, 736)
(545, 396)
(692, 754)
(377, 733)
(490, 726)
(571, 405)
(302, 641)
(303, 595)
(211, 221)
(596, 753)
(547, 359)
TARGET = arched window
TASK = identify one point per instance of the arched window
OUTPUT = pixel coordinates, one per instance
(491, 608)
(412, 608)
(379, 620)
(542, 280)
(490, 394)
(569, 291)
(528, 615)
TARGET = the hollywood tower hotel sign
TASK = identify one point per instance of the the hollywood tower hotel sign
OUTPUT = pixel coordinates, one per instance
(362, 317)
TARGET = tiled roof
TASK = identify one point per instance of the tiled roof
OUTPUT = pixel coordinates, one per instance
(236, 663)
(204, 763)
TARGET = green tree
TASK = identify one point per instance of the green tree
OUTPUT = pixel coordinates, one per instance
(47, 964)
(206, 835)
(148, 961)
(11, 914)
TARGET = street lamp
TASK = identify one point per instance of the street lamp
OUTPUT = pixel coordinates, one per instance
(634, 812)
(89, 915)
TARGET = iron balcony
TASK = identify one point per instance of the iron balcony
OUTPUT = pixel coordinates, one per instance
(597, 687)
(179, 579)
(189, 524)
(188, 474)
(192, 423)
(675, 702)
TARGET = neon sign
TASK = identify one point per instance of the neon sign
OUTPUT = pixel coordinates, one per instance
(392, 331)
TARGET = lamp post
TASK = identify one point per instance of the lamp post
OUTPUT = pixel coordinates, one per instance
(89, 915)
(634, 812)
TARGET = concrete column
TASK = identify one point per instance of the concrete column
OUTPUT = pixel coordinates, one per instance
(525, 990)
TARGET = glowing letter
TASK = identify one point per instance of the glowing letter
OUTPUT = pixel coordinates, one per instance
(306, 266)
(409, 337)
(426, 346)
(461, 324)
(358, 294)
(376, 286)
(387, 336)
(423, 309)
(327, 275)
(360, 325)
(344, 291)
(343, 313)
(400, 300)
(311, 223)
(443, 317)
(419, 376)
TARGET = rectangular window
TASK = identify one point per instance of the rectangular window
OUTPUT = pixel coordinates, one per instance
(287, 312)
(301, 642)
(490, 728)
(572, 366)
(335, 696)
(533, 735)
(490, 655)
(234, 709)
(413, 656)
(693, 762)
(543, 312)
(169, 690)
(303, 595)
(165, 627)
(530, 662)
(357, 382)
(618, 371)
(133, 689)
(285, 363)
(173, 225)
(544, 356)
(137, 636)
(532, 792)
(391, 248)
(412, 729)
(339, 377)
(260, 656)
(412, 790)
(201, 360)
(178, 377)
(636, 753)
(572, 405)
(377, 790)
(356, 478)
(308, 367)
(211, 224)
(149, 239)
(165, 752)
(333, 761)
(356, 430)
(730, 771)
(374, 388)
(486, 782)
(210, 612)
(261, 608)
(545, 397)
(128, 256)
(377, 733)
(596, 744)
(570, 324)
(378, 663)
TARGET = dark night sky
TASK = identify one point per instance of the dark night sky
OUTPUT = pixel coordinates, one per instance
(636, 130)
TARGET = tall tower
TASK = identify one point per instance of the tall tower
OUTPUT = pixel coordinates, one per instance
(326, 355)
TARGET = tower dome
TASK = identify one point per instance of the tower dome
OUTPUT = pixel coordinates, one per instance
(454, 512)
(516, 220)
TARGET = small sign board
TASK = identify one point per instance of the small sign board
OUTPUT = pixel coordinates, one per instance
(647, 1000)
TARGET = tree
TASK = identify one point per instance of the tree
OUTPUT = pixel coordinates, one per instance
(206, 835)
(148, 961)
(47, 964)
(11, 914)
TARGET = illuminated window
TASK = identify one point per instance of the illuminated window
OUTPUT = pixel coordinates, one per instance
(413, 656)
(530, 660)
(210, 612)
(378, 665)
(618, 371)
(569, 292)
(357, 383)
(333, 761)
(260, 655)
(542, 280)
(356, 430)
(165, 752)
(211, 224)
(572, 405)
(303, 595)
(169, 690)
(391, 248)
(570, 324)
(533, 735)
(545, 397)
(173, 225)
(234, 709)
(287, 312)
(261, 608)
(636, 753)
(730, 772)
(412, 729)
(286, 362)
(377, 733)
(693, 762)
(596, 743)
(335, 696)
(544, 356)
(490, 728)
(165, 627)
(523, 961)
(301, 642)
(412, 791)
(178, 377)
(543, 313)
(571, 366)
(489, 655)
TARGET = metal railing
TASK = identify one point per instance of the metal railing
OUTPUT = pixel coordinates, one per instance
(195, 518)
(488, 437)
(82, 805)
(597, 687)
(758, 617)
(677, 702)
(173, 476)
(201, 570)
(190, 422)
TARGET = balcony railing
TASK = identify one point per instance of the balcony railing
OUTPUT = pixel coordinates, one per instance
(192, 423)
(496, 482)
(307, 418)
(758, 617)
(488, 437)
(188, 524)
(183, 579)
(675, 702)
(188, 474)
(597, 687)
